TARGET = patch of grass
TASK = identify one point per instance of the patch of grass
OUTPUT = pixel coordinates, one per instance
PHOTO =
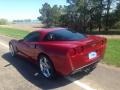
(112, 55)
(15, 33)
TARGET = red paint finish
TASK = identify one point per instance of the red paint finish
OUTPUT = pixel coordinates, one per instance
(66, 56)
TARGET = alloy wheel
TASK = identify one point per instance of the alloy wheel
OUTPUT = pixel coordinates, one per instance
(45, 67)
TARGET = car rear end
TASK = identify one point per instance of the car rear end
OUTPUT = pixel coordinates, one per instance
(87, 53)
(72, 51)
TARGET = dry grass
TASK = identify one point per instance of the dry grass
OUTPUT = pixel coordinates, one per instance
(28, 27)
(111, 36)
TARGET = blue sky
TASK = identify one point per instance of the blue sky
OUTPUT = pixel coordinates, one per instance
(24, 9)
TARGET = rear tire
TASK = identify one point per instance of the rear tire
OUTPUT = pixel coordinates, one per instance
(12, 50)
(46, 67)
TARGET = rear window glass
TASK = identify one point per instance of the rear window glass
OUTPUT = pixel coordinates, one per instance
(64, 35)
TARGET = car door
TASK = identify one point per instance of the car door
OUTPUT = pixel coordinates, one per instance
(28, 45)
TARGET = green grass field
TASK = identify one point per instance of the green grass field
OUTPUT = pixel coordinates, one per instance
(15, 33)
(112, 55)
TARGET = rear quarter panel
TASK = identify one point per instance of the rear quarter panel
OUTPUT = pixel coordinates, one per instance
(58, 55)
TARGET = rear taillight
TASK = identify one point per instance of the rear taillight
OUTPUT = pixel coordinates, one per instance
(77, 50)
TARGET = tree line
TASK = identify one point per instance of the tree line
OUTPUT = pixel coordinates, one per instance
(83, 15)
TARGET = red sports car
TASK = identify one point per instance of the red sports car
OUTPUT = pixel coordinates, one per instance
(60, 50)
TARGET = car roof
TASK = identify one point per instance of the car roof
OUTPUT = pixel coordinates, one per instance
(47, 30)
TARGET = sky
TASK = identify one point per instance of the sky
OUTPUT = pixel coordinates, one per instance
(24, 9)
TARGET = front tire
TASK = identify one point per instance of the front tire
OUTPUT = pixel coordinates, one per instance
(46, 67)
(12, 50)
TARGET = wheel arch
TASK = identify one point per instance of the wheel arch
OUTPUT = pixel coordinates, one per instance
(12, 42)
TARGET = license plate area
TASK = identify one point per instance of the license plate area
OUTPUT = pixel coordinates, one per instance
(92, 55)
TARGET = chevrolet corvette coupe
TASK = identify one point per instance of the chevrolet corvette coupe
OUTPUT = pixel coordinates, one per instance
(60, 51)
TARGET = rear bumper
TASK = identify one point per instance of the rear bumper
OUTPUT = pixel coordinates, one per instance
(93, 64)
(68, 69)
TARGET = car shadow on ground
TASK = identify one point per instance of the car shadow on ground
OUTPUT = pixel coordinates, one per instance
(28, 70)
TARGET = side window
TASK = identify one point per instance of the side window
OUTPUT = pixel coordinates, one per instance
(49, 37)
(32, 37)
(53, 37)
